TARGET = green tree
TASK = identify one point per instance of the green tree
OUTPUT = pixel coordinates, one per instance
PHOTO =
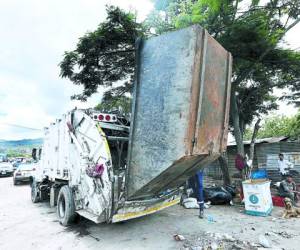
(276, 126)
(105, 56)
(122, 104)
(254, 35)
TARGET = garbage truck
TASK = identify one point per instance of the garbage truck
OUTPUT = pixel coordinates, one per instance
(109, 169)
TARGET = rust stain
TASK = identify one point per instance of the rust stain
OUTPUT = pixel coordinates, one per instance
(195, 91)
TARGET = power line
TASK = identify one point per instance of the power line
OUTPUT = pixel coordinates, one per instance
(20, 126)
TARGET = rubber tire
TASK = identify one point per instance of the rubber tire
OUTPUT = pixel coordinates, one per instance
(43, 195)
(35, 197)
(15, 182)
(65, 206)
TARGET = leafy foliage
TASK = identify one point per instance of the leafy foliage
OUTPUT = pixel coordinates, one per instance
(276, 126)
(120, 104)
(253, 33)
(104, 56)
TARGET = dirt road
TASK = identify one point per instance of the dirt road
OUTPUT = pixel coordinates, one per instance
(24, 225)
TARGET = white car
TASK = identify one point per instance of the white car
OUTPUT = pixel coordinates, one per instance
(6, 169)
(24, 172)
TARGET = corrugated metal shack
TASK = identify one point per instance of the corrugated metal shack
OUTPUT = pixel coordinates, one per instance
(265, 156)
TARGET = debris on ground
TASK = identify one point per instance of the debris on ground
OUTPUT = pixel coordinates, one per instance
(219, 195)
(284, 234)
(190, 203)
(193, 203)
(207, 205)
(210, 219)
(178, 237)
(216, 241)
(264, 242)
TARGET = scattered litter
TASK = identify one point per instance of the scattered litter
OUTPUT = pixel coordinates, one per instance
(228, 237)
(219, 195)
(178, 237)
(190, 203)
(207, 205)
(210, 219)
(270, 234)
(216, 241)
(252, 244)
(214, 246)
(263, 241)
(283, 234)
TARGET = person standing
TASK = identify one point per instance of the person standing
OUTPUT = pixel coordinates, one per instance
(200, 193)
(283, 165)
(196, 184)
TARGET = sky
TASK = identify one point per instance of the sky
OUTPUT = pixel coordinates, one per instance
(33, 37)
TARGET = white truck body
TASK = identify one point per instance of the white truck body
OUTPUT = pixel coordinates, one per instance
(73, 146)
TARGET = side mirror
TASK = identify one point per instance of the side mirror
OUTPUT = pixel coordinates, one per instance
(33, 154)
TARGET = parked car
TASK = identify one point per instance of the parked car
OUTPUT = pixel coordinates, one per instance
(24, 172)
(6, 169)
(16, 164)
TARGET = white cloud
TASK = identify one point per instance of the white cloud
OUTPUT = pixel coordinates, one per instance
(34, 36)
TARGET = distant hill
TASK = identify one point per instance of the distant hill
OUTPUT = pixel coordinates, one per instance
(21, 143)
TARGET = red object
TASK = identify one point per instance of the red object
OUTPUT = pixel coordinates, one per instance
(107, 117)
(101, 117)
(240, 162)
(278, 201)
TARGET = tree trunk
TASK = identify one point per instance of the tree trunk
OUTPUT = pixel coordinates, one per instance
(252, 144)
(251, 152)
(234, 113)
(224, 168)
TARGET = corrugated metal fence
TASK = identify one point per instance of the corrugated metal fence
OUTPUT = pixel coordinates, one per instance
(265, 156)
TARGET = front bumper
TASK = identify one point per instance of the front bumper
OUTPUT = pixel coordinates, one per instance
(6, 173)
(22, 178)
(136, 208)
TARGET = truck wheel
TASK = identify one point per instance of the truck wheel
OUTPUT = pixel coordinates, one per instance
(34, 192)
(44, 195)
(15, 182)
(65, 206)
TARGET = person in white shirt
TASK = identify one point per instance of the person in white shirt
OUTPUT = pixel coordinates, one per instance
(284, 166)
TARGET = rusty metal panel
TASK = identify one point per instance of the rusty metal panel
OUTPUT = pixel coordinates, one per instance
(212, 122)
(180, 110)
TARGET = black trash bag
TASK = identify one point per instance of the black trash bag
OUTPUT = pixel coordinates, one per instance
(231, 190)
(218, 195)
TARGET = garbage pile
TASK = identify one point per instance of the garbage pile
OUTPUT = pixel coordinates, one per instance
(219, 195)
(215, 241)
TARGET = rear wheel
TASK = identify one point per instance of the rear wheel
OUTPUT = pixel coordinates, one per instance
(65, 206)
(15, 181)
(34, 192)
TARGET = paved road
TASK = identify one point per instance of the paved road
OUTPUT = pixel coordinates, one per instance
(24, 225)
